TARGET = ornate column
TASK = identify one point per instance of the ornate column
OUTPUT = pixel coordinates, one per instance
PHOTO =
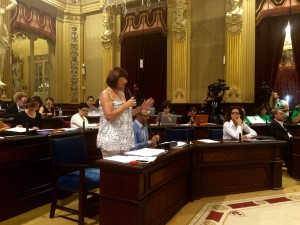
(107, 44)
(70, 43)
(240, 37)
(178, 78)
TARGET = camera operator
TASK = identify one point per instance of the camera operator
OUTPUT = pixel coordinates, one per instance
(213, 101)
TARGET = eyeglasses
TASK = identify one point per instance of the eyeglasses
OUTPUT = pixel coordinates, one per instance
(235, 113)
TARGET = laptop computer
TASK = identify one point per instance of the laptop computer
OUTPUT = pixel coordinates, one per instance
(168, 120)
(255, 120)
(201, 119)
(93, 112)
(151, 111)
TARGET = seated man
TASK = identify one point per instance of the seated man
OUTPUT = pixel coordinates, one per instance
(19, 105)
(281, 133)
(90, 102)
(140, 130)
(190, 117)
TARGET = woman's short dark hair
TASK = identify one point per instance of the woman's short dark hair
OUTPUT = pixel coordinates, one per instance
(33, 101)
(228, 113)
(49, 98)
(82, 105)
(114, 75)
(166, 104)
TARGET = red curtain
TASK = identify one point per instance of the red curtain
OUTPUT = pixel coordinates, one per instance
(152, 79)
(270, 35)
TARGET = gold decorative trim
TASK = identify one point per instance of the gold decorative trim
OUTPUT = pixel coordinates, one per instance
(74, 62)
(179, 93)
(107, 33)
(179, 22)
(233, 92)
(234, 16)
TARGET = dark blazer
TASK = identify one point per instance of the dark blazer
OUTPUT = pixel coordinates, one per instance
(278, 131)
(11, 110)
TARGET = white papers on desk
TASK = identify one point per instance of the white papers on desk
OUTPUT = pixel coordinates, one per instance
(18, 129)
(208, 141)
(146, 152)
(127, 159)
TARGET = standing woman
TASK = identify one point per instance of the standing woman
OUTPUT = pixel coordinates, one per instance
(234, 125)
(115, 134)
(30, 116)
(48, 108)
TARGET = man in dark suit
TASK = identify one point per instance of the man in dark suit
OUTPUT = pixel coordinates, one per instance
(19, 105)
(281, 133)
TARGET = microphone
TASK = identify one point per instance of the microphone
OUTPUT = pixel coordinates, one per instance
(129, 92)
(157, 141)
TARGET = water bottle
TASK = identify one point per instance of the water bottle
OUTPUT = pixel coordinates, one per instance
(60, 113)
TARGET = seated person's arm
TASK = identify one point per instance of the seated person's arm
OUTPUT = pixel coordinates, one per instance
(295, 119)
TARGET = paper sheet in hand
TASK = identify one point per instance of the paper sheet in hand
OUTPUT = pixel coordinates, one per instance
(146, 152)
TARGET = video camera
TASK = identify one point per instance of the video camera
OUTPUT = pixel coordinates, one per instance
(265, 89)
(216, 88)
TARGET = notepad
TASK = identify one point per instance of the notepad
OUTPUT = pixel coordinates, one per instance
(146, 152)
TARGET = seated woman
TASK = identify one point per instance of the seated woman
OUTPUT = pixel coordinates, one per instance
(166, 111)
(79, 119)
(30, 118)
(262, 113)
(235, 126)
(48, 109)
(3, 126)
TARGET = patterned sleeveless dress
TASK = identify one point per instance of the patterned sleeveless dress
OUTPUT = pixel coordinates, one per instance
(115, 136)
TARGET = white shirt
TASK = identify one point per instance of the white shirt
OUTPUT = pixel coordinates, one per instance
(230, 131)
(77, 121)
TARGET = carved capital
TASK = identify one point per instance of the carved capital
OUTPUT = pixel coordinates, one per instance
(179, 22)
(106, 36)
(234, 16)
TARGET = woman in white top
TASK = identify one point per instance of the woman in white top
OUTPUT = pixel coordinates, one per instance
(234, 125)
(79, 118)
(115, 134)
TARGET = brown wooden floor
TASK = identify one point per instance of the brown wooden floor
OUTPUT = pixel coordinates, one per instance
(41, 215)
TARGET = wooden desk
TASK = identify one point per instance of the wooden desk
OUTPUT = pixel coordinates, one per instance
(153, 193)
(25, 171)
(295, 158)
(236, 167)
(144, 194)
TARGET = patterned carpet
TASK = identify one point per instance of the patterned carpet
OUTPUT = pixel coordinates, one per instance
(269, 210)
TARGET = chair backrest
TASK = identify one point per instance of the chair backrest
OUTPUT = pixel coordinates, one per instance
(68, 150)
(179, 134)
(215, 134)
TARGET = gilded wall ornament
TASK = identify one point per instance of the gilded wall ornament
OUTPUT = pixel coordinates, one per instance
(74, 62)
(179, 22)
(234, 16)
(233, 92)
(179, 93)
(107, 33)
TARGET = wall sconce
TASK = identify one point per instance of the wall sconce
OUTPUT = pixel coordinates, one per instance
(83, 69)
